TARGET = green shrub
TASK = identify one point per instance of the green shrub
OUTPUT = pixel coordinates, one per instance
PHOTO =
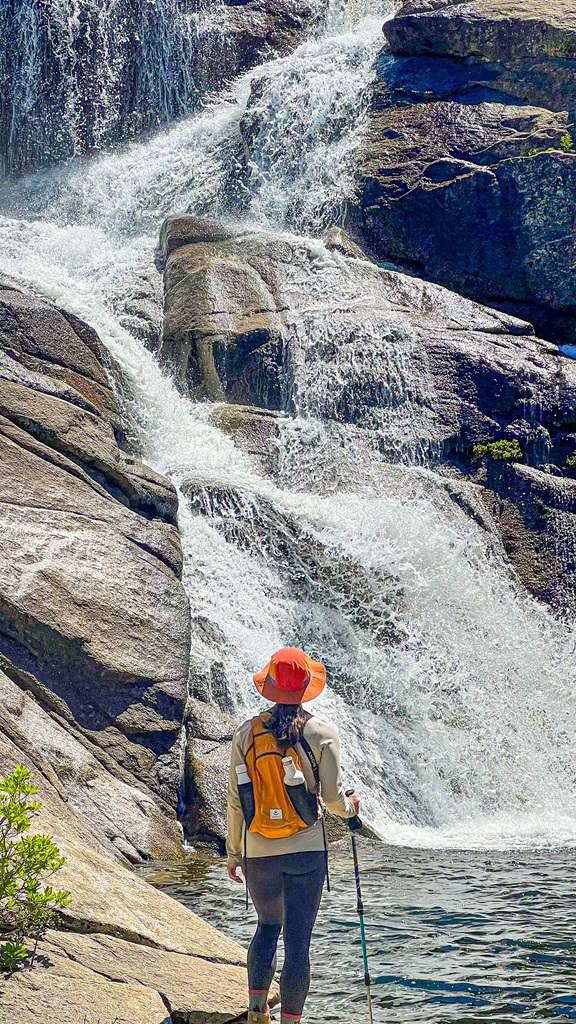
(571, 461)
(27, 905)
(499, 451)
(566, 144)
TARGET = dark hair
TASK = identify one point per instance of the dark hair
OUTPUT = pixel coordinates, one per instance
(286, 723)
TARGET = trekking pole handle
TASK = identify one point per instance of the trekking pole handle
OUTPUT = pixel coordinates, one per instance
(353, 823)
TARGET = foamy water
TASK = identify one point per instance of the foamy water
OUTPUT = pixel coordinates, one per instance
(463, 734)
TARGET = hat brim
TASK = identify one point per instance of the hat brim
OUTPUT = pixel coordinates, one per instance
(265, 685)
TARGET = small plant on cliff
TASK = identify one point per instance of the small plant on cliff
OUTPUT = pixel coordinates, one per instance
(566, 144)
(498, 451)
(571, 461)
(27, 905)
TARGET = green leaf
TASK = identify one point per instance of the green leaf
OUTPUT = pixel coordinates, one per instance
(28, 906)
(11, 955)
(498, 451)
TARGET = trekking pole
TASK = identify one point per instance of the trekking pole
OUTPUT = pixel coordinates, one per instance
(354, 824)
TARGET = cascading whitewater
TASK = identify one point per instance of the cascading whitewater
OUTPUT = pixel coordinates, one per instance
(302, 124)
(463, 731)
(79, 75)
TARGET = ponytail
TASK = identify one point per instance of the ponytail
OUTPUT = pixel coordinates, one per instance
(286, 723)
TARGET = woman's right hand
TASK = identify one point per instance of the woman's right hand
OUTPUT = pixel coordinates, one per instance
(355, 801)
(233, 866)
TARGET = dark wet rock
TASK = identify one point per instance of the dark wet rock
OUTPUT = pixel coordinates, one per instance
(468, 196)
(538, 81)
(104, 75)
(535, 513)
(94, 621)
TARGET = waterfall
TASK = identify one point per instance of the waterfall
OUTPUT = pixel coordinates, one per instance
(80, 75)
(463, 732)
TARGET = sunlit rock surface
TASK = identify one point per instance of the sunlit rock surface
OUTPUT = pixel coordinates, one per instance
(95, 621)
(128, 948)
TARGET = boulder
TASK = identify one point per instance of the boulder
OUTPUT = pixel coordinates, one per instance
(469, 196)
(220, 306)
(94, 621)
(467, 174)
(128, 949)
(413, 370)
(254, 431)
(104, 75)
(359, 344)
(494, 29)
(543, 82)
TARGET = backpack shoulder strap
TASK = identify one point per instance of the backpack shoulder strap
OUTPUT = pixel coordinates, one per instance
(311, 757)
(255, 730)
(314, 765)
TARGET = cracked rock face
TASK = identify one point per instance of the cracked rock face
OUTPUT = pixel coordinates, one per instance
(129, 952)
(94, 619)
(463, 178)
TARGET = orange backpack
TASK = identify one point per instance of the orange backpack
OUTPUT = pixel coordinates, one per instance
(275, 816)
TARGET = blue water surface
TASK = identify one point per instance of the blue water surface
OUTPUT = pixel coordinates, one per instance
(453, 936)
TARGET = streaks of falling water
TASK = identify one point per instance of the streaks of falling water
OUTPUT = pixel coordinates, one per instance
(463, 733)
(82, 74)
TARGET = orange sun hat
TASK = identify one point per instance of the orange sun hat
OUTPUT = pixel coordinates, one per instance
(291, 677)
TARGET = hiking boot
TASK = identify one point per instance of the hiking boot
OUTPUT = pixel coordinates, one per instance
(254, 1017)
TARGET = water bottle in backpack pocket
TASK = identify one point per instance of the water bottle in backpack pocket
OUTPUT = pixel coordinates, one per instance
(246, 793)
(303, 802)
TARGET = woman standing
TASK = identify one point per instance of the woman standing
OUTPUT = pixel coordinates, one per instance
(279, 839)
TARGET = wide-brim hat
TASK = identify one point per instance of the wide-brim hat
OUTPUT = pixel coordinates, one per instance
(291, 677)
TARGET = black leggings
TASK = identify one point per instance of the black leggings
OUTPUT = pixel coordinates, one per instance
(286, 892)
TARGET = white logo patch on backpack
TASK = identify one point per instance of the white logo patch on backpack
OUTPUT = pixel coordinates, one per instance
(276, 813)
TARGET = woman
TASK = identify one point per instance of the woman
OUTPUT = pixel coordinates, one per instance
(284, 874)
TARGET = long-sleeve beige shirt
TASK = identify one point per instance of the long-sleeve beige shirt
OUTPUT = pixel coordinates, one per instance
(325, 743)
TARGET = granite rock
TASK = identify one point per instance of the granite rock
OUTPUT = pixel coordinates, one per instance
(94, 621)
